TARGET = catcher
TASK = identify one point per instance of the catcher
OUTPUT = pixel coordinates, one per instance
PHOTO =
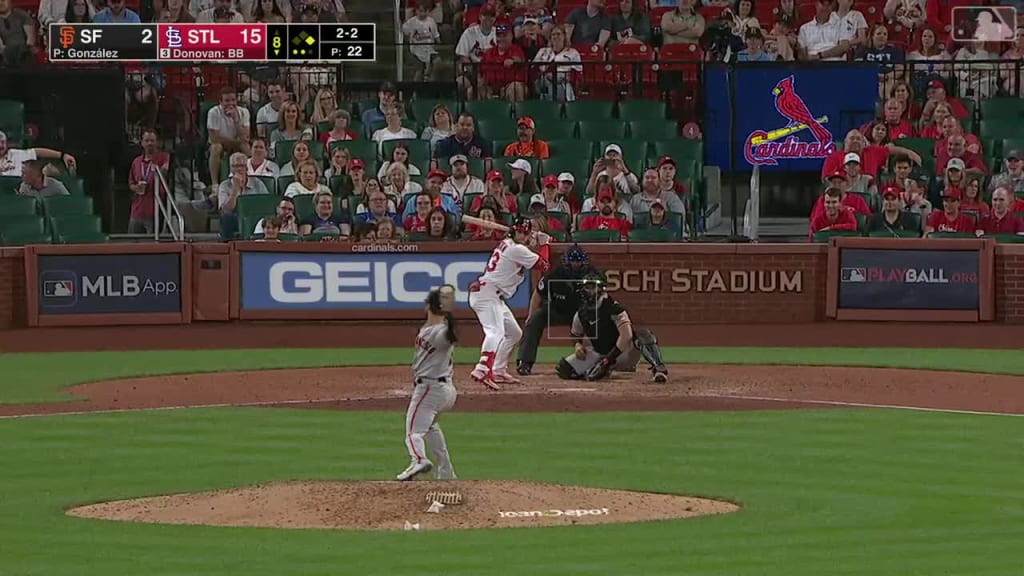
(606, 339)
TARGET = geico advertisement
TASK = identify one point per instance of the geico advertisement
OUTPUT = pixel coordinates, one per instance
(109, 284)
(286, 281)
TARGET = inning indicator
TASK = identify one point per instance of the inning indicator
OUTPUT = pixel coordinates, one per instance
(212, 42)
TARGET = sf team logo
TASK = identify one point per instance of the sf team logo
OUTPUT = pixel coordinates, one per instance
(767, 148)
(67, 36)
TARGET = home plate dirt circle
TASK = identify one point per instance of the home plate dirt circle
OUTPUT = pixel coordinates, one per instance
(404, 506)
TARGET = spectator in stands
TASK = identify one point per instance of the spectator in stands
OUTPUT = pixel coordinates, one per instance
(754, 51)
(532, 40)
(461, 182)
(421, 34)
(743, 19)
(502, 68)
(18, 37)
(11, 159)
(614, 166)
(781, 42)
(953, 176)
(877, 133)
(908, 13)
(956, 149)
(822, 38)
(228, 126)
(630, 25)
(535, 10)
(387, 231)
(379, 208)
(853, 26)
(465, 141)
(621, 202)
(324, 106)
(952, 127)
(272, 230)
(325, 219)
(839, 180)
(682, 25)
(590, 24)
(567, 190)
(949, 219)
(1010, 71)
(888, 57)
(338, 166)
(936, 94)
(221, 13)
(915, 199)
(286, 216)
(300, 154)
(116, 13)
(418, 221)
(553, 200)
(555, 82)
(339, 131)
(61, 11)
(386, 97)
(435, 180)
(977, 77)
(891, 218)
(238, 184)
(259, 164)
(972, 202)
(475, 40)
(475, 233)
(1012, 177)
(322, 12)
(538, 208)
(833, 215)
(142, 178)
(505, 202)
(527, 145)
(365, 233)
(855, 180)
(929, 56)
(894, 120)
(650, 191)
(290, 127)
(268, 12)
(306, 181)
(399, 155)
(268, 116)
(933, 128)
(523, 181)
(901, 169)
(371, 187)
(441, 126)
(657, 219)
(872, 158)
(788, 13)
(393, 130)
(1001, 220)
(904, 94)
(175, 12)
(399, 185)
(438, 225)
(35, 183)
(606, 218)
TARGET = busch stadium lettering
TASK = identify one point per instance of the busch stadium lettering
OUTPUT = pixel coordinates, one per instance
(696, 280)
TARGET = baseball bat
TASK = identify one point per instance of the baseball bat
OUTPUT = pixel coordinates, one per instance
(485, 223)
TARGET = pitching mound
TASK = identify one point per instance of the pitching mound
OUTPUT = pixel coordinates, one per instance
(405, 506)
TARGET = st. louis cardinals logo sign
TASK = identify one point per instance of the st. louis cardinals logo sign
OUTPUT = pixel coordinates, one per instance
(767, 148)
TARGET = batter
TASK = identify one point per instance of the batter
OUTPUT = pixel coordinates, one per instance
(505, 271)
(435, 392)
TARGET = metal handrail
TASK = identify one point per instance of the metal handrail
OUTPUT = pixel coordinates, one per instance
(168, 209)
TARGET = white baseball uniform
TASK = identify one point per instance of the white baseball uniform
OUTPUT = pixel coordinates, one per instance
(434, 394)
(506, 270)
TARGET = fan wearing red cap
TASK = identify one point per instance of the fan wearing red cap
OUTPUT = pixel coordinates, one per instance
(553, 199)
(495, 188)
(667, 170)
(892, 218)
(950, 218)
(849, 201)
(935, 93)
(435, 180)
(833, 216)
(502, 67)
(606, 218)
(527, 145)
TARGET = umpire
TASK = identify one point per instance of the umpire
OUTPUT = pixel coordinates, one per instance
(553, 303)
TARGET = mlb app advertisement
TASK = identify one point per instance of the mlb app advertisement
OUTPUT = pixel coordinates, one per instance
(787, 118)
(909, 279)
(303, 281)
(109, 284)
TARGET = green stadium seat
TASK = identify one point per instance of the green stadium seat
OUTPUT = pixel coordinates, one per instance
(21, 225)
(872, 200)
(1000, 129)
(74, 183)
(416, 236)
(562, 217)
(680, 149)
(257, 205)
(952, 235)
(569, 147)
(270, 182)
(602, 130)
(66, 205)
(74, 224)
(303, 206)
(477, 167)
(25, 238)
(204, 111)
(559, 235)
(1002, 108)
(283, 182)
(542, 111)
(1009, 238)
(578, 166)
(641, 221)
(597, 236)
(634, 152)
(84, 238)
(17, 205)
(651, 110)
(925, 147)
(652, 235)
(653, 129)
(12, 121)
(422, 109)
(419, 150)
(467, 202)
(894, 234)
(496, 128)
(500, 145)
(489, 109)
(361, 106)
(823, 236)
(9, 184)
(364, 149)
(590, 110)
(556, 129)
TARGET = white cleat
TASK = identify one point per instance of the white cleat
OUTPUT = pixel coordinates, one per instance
(414, 469)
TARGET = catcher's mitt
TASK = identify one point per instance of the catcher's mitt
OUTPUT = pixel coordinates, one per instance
(447, 293)
(600, 370)
(446, 497)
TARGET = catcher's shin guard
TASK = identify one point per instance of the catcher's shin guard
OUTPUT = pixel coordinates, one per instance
(565, 370)
(647, 344)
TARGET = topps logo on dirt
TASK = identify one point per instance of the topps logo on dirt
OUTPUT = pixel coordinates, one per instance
(109, 284)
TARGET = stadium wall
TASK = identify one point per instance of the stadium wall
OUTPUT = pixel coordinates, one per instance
(661, 283)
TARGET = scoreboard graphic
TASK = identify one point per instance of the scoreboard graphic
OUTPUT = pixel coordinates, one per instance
(213, 42)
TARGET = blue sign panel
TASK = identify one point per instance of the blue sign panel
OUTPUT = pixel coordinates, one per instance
(109, 284)
(909, 279)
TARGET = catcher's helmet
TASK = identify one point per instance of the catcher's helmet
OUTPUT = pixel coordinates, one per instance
(590, 288)
(575, 257)
(521, 224)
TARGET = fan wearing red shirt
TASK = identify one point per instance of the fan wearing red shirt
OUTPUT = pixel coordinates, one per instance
(1001, 220)
(503, 67)
(937, 93)
(895, 122)
(834, 216)
(949, 219)
(852, 202)
(606, 219)
(956, 149)
(872, 158)
(496, 189)
(418, 221)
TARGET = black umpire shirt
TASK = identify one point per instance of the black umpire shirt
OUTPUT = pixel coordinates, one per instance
(559, 288)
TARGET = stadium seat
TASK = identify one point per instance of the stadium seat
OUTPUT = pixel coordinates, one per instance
(556, 129)
(641, 221)
(823, 236)
(649, 235)
(257, 205)
(303, 206)
(562, 217)
(66, 205)
(419, 151)
(363, 149)
(923, 146)
(74, 224)
(496, 128)
(423, 109)
(597, 236)
(84, 238)
(1000, 129)
(270, 182)
(477, 167)
(542, 111)
(601, 130)
(12, 121)
(467, 201)
(954, 235)
(633, 110)
(489, 109)
(894, 234)
(1009, 238)
(577, 165)
(680, 149)
(589, 110)
(416, 237)
(17, 205)
(1002, 108)
(653, 129)
(23, 230)
(9, 184)
(569, 147)
(284, 181)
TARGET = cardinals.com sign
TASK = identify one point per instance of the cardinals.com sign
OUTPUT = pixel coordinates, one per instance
(783, 116)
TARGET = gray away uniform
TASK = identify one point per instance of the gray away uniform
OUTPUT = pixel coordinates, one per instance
(434, 394)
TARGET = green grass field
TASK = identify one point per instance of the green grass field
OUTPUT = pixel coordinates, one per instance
(824, 492)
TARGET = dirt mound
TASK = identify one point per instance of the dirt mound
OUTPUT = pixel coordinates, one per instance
(404, 505)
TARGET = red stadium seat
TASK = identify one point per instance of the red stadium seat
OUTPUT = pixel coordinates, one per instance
(710, 12)
(685, 59)
(595, 81)
(626, 59)
(472, 16)
(900, 35)
(657, 13)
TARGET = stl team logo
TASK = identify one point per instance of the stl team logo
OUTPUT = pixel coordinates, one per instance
(767, 148)
(173, 37)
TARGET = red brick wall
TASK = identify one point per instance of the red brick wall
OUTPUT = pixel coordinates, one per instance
(12, 288)
(717, 283)
(1010, 283)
